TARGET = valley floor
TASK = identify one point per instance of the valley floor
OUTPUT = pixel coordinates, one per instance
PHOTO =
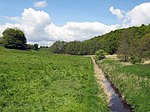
(41, 81)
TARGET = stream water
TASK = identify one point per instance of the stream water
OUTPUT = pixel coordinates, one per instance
(116, 104)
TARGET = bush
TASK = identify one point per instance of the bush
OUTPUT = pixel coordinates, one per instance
(14, 38)
(99, 55)
(135, 60)
(32, 46)
(123, 58)
(36, 46)
(0, 40)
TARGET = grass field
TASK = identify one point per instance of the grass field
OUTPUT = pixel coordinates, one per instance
(37, 81)
(133, 81)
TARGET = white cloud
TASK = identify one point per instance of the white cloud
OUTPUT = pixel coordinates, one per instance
(135, 17)
(43, 43)
(116, 12)
(33, 23)
(38, 27)
(77, 31)
(40, 4)
(10, 18)
(8, 25)
(138, 15)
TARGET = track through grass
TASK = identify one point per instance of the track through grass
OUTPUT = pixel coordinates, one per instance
(37, 81)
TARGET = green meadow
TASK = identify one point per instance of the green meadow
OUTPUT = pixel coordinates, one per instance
(37, 81)
(133, 81)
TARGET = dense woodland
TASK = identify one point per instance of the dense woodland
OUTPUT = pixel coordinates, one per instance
(130, 44)
(122, 41)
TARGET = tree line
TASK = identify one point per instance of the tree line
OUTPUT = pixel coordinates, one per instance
(126, 42)
(129, 43)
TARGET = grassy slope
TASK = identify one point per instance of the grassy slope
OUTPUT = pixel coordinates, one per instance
(133, 81)
(40, 81)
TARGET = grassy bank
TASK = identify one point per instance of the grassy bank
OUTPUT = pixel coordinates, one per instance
(39, 81)
(133, 81)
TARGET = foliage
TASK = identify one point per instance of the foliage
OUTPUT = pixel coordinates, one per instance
(135, 60)
(100, 55)
(124, 46)
(73, 48)
(58, 47)
(0, 40)
(133, 81)
(108, 42)
(35, 46)
(32, 46)
(29, 46)
(39, 81)
(14, 38)
(131, 49)
(44, 47)
(144, 50)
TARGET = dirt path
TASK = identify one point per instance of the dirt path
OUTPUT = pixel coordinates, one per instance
(114, 100)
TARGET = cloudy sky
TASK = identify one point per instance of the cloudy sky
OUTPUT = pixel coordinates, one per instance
(46, 21)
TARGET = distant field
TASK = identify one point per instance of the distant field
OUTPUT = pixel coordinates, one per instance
(36, 81)
(133, 81)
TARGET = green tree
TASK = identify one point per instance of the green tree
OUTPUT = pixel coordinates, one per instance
(124, 41)
(144, 47)
(73, 48)
(58, 47)
(99, 55)
(0, 40)
(35, 46)
(14, 38)
(124, 47)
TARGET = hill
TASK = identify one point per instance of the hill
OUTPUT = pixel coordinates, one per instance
(108, 42)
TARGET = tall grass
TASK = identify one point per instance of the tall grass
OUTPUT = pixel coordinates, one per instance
(133, 81)
(37, 81)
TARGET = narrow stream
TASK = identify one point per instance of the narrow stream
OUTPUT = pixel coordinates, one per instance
(115, 102)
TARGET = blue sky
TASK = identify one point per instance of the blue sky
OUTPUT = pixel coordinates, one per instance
(63, 11)
(47, 21)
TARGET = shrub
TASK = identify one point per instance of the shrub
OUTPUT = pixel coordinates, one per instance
(123, 57)
(0, 40)
(14, 38)
(135, 59)
(36, 46)
(99, 55)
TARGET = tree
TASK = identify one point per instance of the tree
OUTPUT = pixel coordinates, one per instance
(29, 46)
(44, 47)
(124, 41)
(73, 48)
(0, 40)
(99, 55)
(124, 44)
(14, 38)
(58, 47)
(35, 46)
(144, 47)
